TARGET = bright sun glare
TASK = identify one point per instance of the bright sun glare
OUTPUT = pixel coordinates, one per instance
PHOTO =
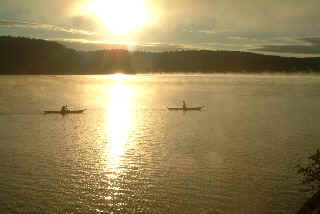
(119, 16)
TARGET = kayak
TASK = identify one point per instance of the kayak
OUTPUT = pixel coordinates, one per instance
(198, 108)
(65, 112)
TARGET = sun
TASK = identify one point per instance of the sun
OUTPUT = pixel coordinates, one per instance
(119, 16)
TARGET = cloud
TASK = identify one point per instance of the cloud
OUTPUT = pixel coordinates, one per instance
(243, 18)
(208, 24)
(83, 22)
(30, 25)
(37, 10)
(87, 45)
(307, 46)
(160, 47)
(248, 18)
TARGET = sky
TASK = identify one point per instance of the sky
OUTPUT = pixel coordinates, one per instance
(286, 27)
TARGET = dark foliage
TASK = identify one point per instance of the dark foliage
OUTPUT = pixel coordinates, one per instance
(311, 172)
(34, 56)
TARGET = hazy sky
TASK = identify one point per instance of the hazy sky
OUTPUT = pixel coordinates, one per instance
(286, 27)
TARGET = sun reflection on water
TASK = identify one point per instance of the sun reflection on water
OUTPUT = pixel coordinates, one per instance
(119, 124)
(119, 98)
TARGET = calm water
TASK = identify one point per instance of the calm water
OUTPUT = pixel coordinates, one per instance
(128, 154)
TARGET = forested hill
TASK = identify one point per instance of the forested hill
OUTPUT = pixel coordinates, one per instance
(34, 56)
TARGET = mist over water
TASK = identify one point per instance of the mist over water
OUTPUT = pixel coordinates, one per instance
(128, 154)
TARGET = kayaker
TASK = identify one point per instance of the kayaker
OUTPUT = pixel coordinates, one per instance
(64, 108)
(184, 106)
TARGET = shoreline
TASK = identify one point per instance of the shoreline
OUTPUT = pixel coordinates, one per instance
(312, 205)
(286, 73)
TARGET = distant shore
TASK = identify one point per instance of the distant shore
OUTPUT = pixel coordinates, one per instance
(34, 56)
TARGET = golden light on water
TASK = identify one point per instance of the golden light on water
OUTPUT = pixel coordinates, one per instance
(118, 16)
(119, 123)
(119, 77)
(119, 119)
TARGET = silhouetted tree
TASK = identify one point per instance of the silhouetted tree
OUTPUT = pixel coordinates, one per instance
(311, 172)
(311, 177)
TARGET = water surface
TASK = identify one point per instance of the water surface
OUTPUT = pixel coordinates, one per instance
(128, 154)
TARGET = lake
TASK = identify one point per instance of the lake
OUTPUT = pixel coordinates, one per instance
(128, 154)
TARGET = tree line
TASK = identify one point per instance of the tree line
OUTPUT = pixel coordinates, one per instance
(21, 55)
